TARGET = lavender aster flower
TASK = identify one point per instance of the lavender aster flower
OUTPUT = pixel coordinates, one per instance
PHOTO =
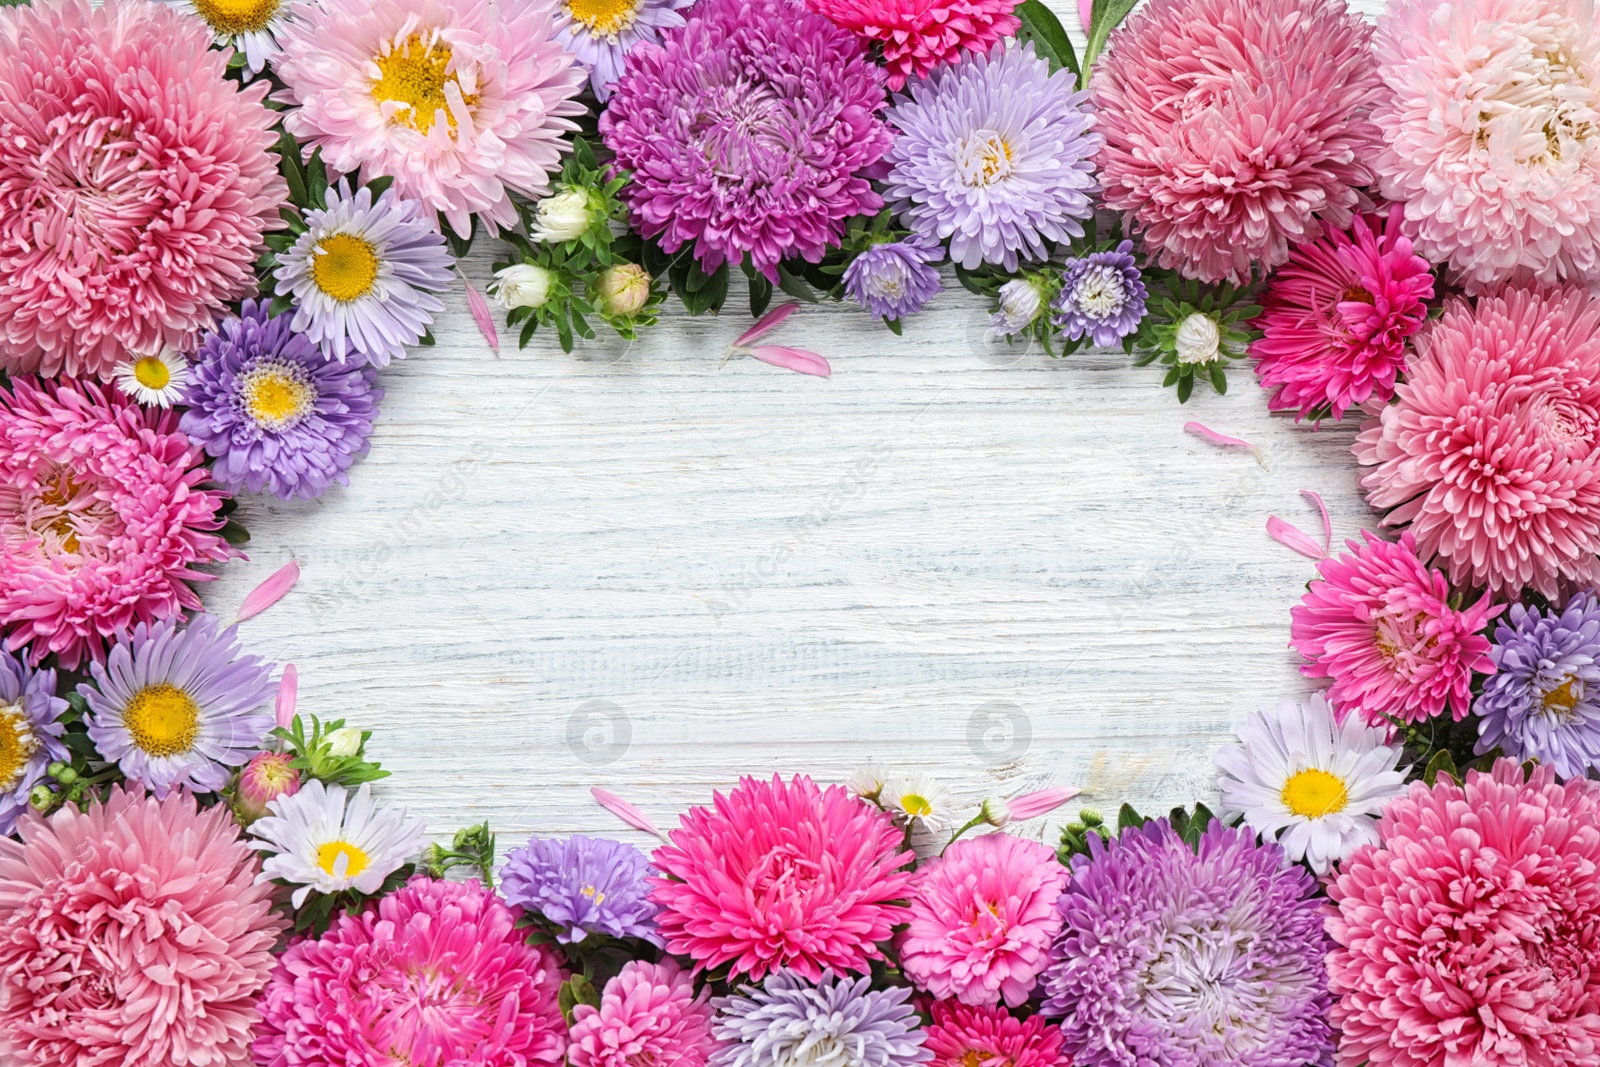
(995, 154)
(1102, 295)
(839, 1022)
(1208, 958)
(583, 885)
(1543, 701)
(178, 707)
(30, 735)
(601, 33)
(272, 412)
(894, 280)
(746, 132)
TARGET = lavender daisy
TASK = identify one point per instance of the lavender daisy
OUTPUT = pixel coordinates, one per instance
(1543, 701)
(601, 33)
(1102, 295)
(583, 885)
(1211, 957)
(178, 707)
(893, 280)
(995, 154)
(272, 412)
(363, 273)
(30, 734)
(838, 1022)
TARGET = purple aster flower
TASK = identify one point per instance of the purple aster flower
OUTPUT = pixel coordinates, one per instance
(1019, 304)
(894, 280)
(583, 885)
(1209, 958)
(273, 412)
(1102, 295)
(1543, 701)
(746, 132)
(178, 707)
(995, 154)
(30, 734)
(839, 1020)
(601, 34)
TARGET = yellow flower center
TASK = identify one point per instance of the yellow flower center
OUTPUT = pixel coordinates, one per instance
(277, 395)
(54, 520)
(984, 158)
(414, 74)
(344, 266)
(915, 805)
(341, 859)
(593, 893)
(230, 17)
(151, 373)
(1313, 793)
(607, 18)
(162, 720)
(1559, 702)
(17, 746)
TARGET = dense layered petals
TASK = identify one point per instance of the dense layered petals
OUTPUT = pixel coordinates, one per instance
(919, 36)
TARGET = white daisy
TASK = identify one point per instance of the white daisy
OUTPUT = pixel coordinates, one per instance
(250, 26)
(1316, 784)
(917, 801)
(321, 845)
(154, 381)
(867, 782)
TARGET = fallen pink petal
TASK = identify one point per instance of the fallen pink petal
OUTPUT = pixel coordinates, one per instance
(795, 359)
(1294, 538)
(270, 591)
(1041, 802)
(1327, 523)
(625, 811)
(288, 691)
(479, 307)
(766, 324)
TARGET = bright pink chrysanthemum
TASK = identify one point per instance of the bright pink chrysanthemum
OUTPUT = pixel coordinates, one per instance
(649, 1016)
(101, 520)
(435, 974)
(982, 918)
(965, 1035)
(918, 36)
(1336, 318)
(780, 874)
(1491, 453)
(132, 934)
(1235, 127)
(1381, 626)
(136, 182)
(460, 102)
(1471, 933)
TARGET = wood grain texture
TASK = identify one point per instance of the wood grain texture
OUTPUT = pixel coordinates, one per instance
(633, 568)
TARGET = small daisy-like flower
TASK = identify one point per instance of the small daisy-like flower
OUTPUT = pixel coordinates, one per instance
(324, 840)
(250, 26)
(177, 708)
(916, 800)
(601, 33)
(867, 781)
(363, 276)
(30, 734)
(1102, 297)
(1314, 784)
(156, 380)
(1543, 700)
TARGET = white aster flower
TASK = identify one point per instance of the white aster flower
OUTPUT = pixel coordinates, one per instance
(320, 844)
(867, 782)
(563, 216)
(1315, 784)
(1020, 304)
(157, 380)
(522, 285)
(917, 801)
(1199, 339)
(250, 26)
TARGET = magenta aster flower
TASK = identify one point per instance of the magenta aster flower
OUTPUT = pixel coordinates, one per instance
(1236, 127)
(649, 1016)
(746, 132)
(967, 1035)
(781, 875)
(1336, 317)
(919, 36)
(1380, 625)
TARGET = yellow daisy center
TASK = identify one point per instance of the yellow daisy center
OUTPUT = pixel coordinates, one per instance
(1559, 702)
(230, 17)
(604, 17)
(414, 74)
(344, 266)
(1313, 793)
(151, 373)
(594, 894)
(915, 805)
(341, 859)
(277, 396)
(17, 746)
(162, 720)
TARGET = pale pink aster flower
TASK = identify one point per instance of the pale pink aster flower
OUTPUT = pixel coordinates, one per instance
(649, 1016)
(459, 102)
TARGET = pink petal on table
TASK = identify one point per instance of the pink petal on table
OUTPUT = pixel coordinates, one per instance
(288, 689)
(1085, 14)
(625, 811)
(766, 323)
(269, 592)
(796, 359)
(1294, 538)
(482, 315)
(1327, 523)
(1207, 433)
(1033, 805)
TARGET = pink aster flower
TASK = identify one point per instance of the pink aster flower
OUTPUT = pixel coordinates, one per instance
(777, 875)
(132, 934)
(1491, 127)
(136, 182)
(1336, 318)
(1491, 452)
(101, 519)
(649, 1016)
(1471, 933)
(982, 918)
(1381, 626)
(435, 974)
(459, 102)
(967, 1035)
(918, 36)
(1235, 127)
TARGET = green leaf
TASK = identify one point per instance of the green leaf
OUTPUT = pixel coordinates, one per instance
(1107, 15)
(795, 287)
(289, 165)
(574, 991)
(527, 333)
(1185, 388)
(1441, 763)
(317, 179)
(1128, 818)
(427, 339)
(380, 185)
(234, 533)
(1050, 40)
(760, 293)
(1219, 378)
(894, 326)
